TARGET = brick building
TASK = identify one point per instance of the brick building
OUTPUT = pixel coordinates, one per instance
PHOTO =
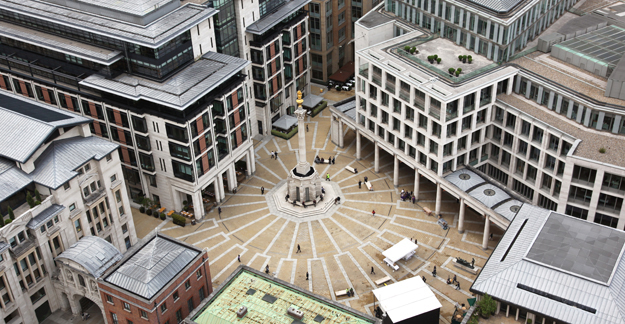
(160, 280)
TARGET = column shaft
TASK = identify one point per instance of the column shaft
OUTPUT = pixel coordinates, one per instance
(358, 144)
(396, 172)
(376, 163)
(486, 233)
(461, 217)
(416, 184)
(341, 139)
(439, 195)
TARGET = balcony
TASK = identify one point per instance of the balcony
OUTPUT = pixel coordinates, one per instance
(20, 249)
(95, 196)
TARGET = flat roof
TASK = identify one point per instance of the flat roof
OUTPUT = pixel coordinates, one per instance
(60, 44)
(26, 124)
(267, 300)
(406, 299)
(133, 7)
(152, 35)
(150, 266)
(348, 107)
(400, 250)
(266, 22)
(373, 19)
(566, 290)
(605, 45)
(179, 91)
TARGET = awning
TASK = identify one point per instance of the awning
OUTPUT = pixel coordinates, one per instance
(344, 73)
(311, 101)
(406, 299)
(400, 250)
(285, 122)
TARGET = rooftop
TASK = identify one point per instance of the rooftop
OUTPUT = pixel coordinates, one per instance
(266, 22)
(374, 19)
(93, 253)
(565, 268)
(44, 216)
(604, 46)
(406, 299)
(26, 125)
(348, 107)
(152, 35)
(150, 266)
(12, 179)
(591, 139)
(132, 7)
(267, 300)
(179, 91)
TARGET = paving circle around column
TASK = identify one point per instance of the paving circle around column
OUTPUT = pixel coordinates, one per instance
(276, 201)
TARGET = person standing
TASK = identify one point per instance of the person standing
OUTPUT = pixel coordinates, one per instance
(267, 269)
(423, 277)
(327, 177)
(262, 190)
(455, 279)
(359, 184)
(472, 262)
(272, 155)
(239, 258)
(458, 286)
(373, 212)
(306, 132)
(276, 155)
(299, 250)
(219, 210)
(334, 160)
(372, 271)
(307, 272)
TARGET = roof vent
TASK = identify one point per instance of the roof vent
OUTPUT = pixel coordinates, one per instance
(296, 313)
(241, 312)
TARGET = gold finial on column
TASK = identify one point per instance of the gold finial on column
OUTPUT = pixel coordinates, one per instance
(299, 100)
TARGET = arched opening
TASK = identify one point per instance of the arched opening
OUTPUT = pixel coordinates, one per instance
(81, 281)
(87, 306)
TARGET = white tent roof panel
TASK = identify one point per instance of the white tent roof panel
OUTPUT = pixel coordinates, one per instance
(400, 250)
(406, 299)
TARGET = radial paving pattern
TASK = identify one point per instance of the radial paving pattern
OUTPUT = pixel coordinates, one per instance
(338, 252)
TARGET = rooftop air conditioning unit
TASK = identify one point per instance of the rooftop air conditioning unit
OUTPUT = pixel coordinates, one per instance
(241, 312)
(296, 313)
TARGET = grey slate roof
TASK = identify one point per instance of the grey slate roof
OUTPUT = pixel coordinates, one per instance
(57, 163)
(499, 6)
(133, 7)
(93, 253)
(152, 266)
(551, 287)
(311, 101)
(59, 44)
(152, 35)
(373, 18)
(26, 124)
(44, 216)
(266, 22)
(285, 122)
(12, 179)
(182, 89)
(489, 195)
(348, 107)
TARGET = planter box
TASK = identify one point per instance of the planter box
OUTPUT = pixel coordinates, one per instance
(463, 267)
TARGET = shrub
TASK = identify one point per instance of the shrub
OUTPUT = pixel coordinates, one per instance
(435, 57)
(149, 212)
(178, 220)
(529, 321)
(283, 135)
(142, 209)
(459, 70)
(459, 57)
(1, 221)
(11, 214)
(155, 214)
(413, 50)
(602, 150)
(464, 57)
(37, 195)
(184, 202)
(8, 221)
(163, 216)
(321, 106)
(470, 57)
(487, 306)
(470, 60)
(407, 48)
(438, 60)
(451, 70)
(473, 320)
(30, 200)
(457, 73)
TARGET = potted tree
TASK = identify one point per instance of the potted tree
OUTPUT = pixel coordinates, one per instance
(451, 71)
(460, 58)
(407, 48)
(469, 58)
(146, 204)
(414, 50)
(438, 60)
(431, 59)
(487, 306)
(464, 59)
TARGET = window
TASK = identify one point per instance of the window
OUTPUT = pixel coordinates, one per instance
(144, 314)
(129, 322)
(109, 299)
(114, 317)
(198, 274)
(606, 220)
(66, 186)
(202, 294)
(190, 304)
(113, 178)
(525, 128)
(179, 317)
(584, 175)
(176, 297)
(163, 307)
(187, 284)
(72, 207)
(126, 306)
(580, 195)
(34, 298)
(576, 212)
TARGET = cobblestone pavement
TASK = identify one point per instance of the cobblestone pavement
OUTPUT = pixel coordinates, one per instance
(338, 252)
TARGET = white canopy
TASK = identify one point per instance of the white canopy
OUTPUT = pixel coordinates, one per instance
(406, 299)
(400, 250)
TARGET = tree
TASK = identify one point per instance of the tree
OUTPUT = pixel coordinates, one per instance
(30, 200)
(11, 214)
(487, 306)
(37, 196)
(1, 221)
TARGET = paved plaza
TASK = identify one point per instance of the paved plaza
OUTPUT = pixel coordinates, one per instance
(339, 249)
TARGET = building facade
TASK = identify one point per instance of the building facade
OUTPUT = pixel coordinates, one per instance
(76, 184)
(177, 281)
(332, 33)
(149, 77)
(548, 136)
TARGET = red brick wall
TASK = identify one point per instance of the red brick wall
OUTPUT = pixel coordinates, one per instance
(2, 84)
(166, 295)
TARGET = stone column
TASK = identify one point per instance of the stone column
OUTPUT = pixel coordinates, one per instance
(341, 139)
(302, 166)
(358, 144)
(396, 172)
(220, 187)
(232, 178)
(486, 233)
(461, 217)
(376, 162)
(198, 205)
(248, 157)
(416, 184)
(439, 195)
(252, 160)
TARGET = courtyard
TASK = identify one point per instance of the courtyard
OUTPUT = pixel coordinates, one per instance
(337, 251)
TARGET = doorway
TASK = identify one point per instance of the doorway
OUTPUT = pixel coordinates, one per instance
(42, 312)
(260, 127)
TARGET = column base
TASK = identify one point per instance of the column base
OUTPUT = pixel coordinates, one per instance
(485, 249)
(461, 232)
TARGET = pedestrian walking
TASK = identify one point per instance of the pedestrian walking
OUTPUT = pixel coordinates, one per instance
(239, 258)
(298, 249)
(413, 199)
(366, 179)
(372, 271)
(334, 160)
(286, 198)
(458, 286)
(423, 277)
(219, 210)
(359, 184)
(273, 154)
(262, 190)
(327, 177)
(306, 128)
(415, 241)
(491, 237)
(373, 212)
(306, 275)
(267, 269)
(472, 262)
(455, 279)
(276, 155)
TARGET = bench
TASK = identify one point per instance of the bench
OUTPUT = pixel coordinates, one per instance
(340, 293)
(161, 210)
(427, 211)
(368, 184)
(170, 213)
(350, 169)
(383, 280)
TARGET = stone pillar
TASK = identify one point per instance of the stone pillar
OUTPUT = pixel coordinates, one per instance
(439, 194)
(198, 205)
(376, 162)
(252, 160)
(461, 217)
(358, 144)
(74, 305)
(341, 139)
(396, 172)
(248, 157)
(232, 178)
(416, 184)
(220, 187)
(486, 233)
(302, 166)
